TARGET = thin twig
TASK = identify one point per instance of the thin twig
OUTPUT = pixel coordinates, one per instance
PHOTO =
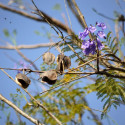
(102, 72)
(82, 17)
(68, 14)
(27, 70)
(42, 15)
(74, 12)
(111, 75)
(19, 110)
(117, 68)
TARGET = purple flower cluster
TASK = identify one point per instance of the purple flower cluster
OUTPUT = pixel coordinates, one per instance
(89, 46)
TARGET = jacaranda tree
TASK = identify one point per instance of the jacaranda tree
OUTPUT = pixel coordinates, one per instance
(92, 55)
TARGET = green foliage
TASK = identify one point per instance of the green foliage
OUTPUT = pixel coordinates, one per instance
(57, 7)
(45, 67)
(38, 33)
(11, 37)
(17, 1)
(90, 88)
(14, 32)
(62, 103)
(3, 106)
(122, 41)
(6, 32)
(47, 33)
(121, 47)
(111, 45)
(111, 90)
(16, 98)
(8, 120)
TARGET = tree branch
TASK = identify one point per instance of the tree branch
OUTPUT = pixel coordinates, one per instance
(19, 110)
(70, 4)
(27, 70)
(50, 19)
(27, 46)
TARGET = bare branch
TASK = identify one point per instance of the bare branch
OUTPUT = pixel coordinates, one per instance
(27, 70)
(103, 15)
(50, 19)
(70, 4)
(27, 46)
(111, 75)
(19, 110)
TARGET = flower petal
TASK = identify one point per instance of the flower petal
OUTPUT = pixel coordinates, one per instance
(100, 45)
(83, 34)
(101, 34)
(92, 29)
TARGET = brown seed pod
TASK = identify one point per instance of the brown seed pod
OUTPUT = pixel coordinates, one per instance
(49, 76)
(59, 58)
(22, 80)
(63, 62)
(67, 62)
(60, 63)
(48, 58)
(60, 67)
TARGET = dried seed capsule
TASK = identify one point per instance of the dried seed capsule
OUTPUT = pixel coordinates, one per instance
(48, 58)
(59, 58)
(49, 76)
(63, 62)
(22, 80)
(67, 62)
(60, 67)
(60, 64)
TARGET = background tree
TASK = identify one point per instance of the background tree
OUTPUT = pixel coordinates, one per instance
(97, 64)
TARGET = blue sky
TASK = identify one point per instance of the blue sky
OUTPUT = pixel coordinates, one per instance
(25, 35)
